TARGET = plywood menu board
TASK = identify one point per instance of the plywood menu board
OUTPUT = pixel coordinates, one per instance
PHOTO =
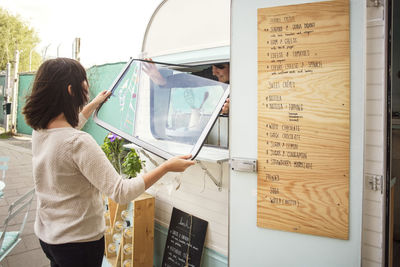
(304, 118)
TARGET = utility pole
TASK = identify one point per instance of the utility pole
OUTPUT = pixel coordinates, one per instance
(7, 93)
(14, 109)
(58, 50)
(44, 52)
(30, 59)
(76, 48)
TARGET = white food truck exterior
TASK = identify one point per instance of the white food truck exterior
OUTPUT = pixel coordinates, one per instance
(192, 32)
(216, 31)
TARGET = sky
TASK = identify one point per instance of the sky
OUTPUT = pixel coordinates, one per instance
(110, 31)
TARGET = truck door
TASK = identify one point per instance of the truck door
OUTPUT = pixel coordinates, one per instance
(272, 242)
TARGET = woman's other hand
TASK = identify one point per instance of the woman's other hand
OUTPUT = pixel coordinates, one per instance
(175, 164)
(179, 163)
(101, 97)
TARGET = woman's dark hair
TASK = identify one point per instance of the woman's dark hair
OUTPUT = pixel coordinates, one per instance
(50, 97)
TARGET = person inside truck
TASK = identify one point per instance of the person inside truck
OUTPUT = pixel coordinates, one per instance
(219, 72)
(70, 170)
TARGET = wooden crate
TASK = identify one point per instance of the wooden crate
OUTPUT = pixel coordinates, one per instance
(141, 221)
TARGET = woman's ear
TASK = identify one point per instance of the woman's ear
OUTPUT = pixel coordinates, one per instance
(70, 90)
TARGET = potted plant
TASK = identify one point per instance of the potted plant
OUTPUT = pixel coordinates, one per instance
(128, 164)
(124, 161)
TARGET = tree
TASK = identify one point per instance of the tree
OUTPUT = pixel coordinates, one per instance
(17, 35)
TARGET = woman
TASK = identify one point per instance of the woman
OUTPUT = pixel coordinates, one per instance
(70, 170)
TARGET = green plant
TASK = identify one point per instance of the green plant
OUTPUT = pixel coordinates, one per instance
(132, 164)
(123, 161)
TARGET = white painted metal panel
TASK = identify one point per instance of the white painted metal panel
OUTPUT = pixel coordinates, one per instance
(373, 153)
(372, 208)
(373, 122)
(372, 223)
(378, 59)
(375, 92)
(265, 247)
(375, 31)
(373, 239)
(187, 25)
(375, 134)
(375, 76)
(373, 254)
(375, 107)
(373, 137)
(367, 263)
(377, 197)
(195, 193)
(373, 167)
(375, 45)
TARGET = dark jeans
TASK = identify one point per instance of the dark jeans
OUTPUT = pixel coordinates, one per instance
(85, 254)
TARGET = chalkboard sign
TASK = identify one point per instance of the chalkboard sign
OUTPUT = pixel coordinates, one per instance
(185, 241)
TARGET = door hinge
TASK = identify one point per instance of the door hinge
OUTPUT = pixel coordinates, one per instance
(374, 182)
(374, 3)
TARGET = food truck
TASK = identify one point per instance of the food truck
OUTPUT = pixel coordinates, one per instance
(302, 171)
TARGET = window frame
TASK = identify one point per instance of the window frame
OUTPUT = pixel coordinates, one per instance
(150, 147)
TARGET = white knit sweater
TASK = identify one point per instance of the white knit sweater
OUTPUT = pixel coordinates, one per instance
(70, 172)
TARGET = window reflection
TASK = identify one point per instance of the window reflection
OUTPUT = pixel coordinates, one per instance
(189, 104)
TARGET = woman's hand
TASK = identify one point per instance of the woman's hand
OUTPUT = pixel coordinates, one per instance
(91, 107)
(179, 163)
(175, 164)
(101, 97)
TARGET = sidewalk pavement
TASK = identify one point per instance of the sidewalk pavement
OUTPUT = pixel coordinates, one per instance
(18, 181)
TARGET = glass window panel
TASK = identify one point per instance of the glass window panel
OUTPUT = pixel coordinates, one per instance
(120, 109)
(166, 109)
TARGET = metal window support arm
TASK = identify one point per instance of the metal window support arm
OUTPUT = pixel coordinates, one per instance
(216, 180)
(155, 163)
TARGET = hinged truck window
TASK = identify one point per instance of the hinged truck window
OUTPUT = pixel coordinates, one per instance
(166, 109)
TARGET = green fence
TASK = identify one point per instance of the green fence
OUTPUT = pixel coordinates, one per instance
(100, 78)
(24, 86)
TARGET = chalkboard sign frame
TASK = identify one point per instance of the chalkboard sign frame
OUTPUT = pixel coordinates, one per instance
(185, 240)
